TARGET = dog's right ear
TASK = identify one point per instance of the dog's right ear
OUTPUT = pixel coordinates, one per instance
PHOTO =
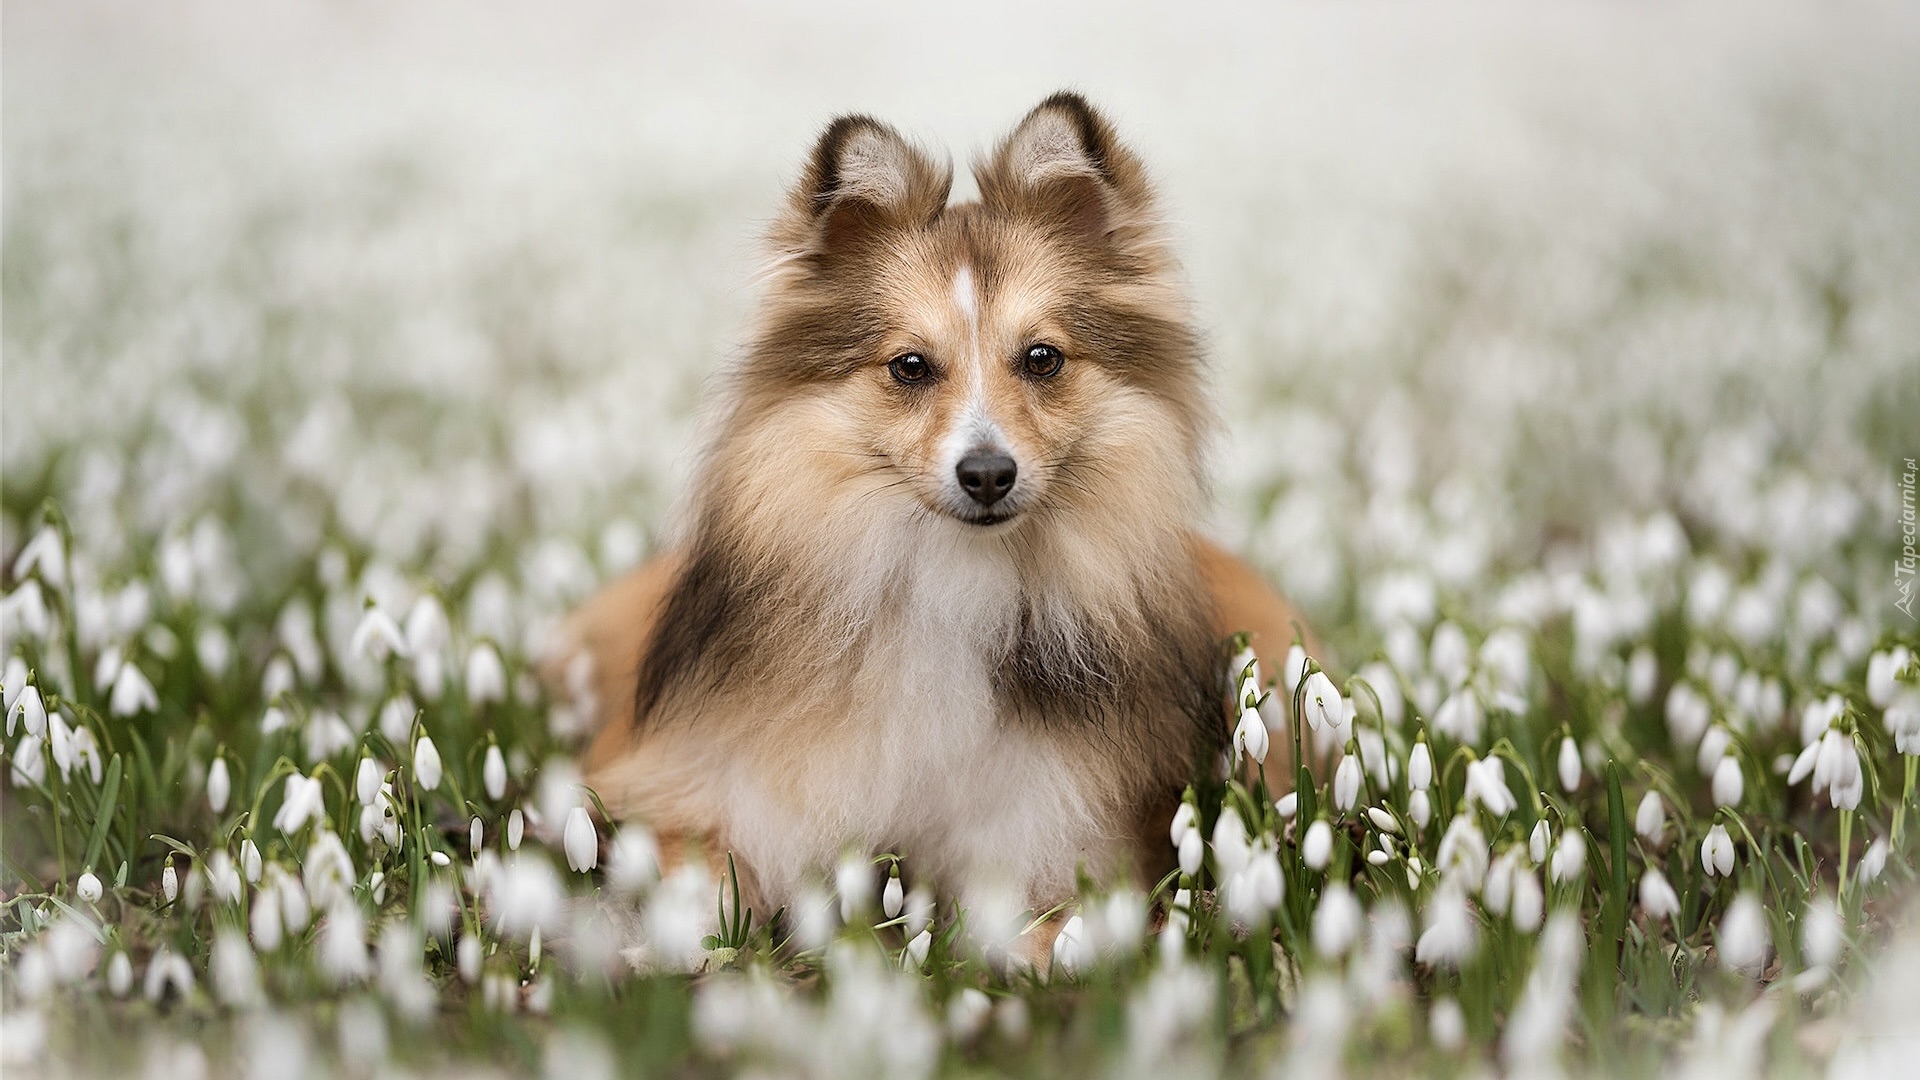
(862, 180)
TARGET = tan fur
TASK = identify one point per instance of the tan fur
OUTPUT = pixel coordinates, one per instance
(847, 650)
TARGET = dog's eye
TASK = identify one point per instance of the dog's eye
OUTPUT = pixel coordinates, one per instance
(1044, 361)
(911, 368)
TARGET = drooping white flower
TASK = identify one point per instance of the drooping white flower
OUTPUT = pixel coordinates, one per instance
(1450, 934)
(169, 882)
(1487, 786)
(1287, 805)
(1688, 713)
(1538, 840)
(1837, 770)
(119, 974)
(1346, 784)
(1716, 852)
(46, 555)
(493, 772)
(1728, 782)
(1071, 953)
(1570, 856)
(250, 863)
(223, 877)
(1317, 847)
(132, 694)
(1337, 921)
(1463, 856)
(633, 859)
(235, 974)
(167, 970)
(581, 840)
(219, 785)
(1183, 818)
(426, 763)
(1296, 666)
(1250, 735)
(516, 826)
(342, 954)
(264, 922)
(1230, 848)
(1873, 861)
(1447, 1025)
(1461, 717)
(1822, 933)
(29, 710)
(914, 956)
(853, 880)
(377, 637)
(1193, 851)
(476, 837)
(893, 895)
(1883, 671)
(366, 780)
(1569, 765)
(302, 800)
(1743, 938)
(1713, 747)
(1650, 820)
(1322, 703)
(486, 675)
(327, 872)
(1420, 767)
(467, 958)
(1643, 675)
(1419, 808)
(1529, 901)
(1657, 897)
(87, 888)
(1819, 715)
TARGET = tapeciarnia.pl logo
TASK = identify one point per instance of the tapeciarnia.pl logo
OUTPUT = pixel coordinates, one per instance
(1903, 567)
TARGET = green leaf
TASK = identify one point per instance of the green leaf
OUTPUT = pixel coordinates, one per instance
(109, 798)
(1615, 912)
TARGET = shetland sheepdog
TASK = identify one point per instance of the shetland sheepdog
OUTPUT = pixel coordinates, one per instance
(937, 588)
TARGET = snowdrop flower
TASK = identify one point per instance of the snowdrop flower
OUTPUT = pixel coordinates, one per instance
(167, 970)
(1497, 891)
(1716, 852)
(1742, 936)
(914, 956)
(1250, 735)
(29, 710)
(853, 880)
(633, 859)
(493, 772)
(1451, 934)
(426, 634)
(1729, 782)
(170, 882)
(1820, 715)
(1193, 851)
(1570, 856)
(1657, 897)
(219, 785)
(29, 766)
(1883, 672)
(1713, 747)
(1650, 820)
(1383, 820)
(377, 637)
(467, 959)
(1822, 934)
(476, 837)
(396, 719)
(342, 953)
(582, 841)
(1538, 840)
(1317, 848)
(893, 895)
(1256, 889)
(302, 800)
(366, 780)
(1569, 765)
(223, 877)
(132, 694)
(1450, 654)
(1461, 717)
(1071, 953)
(1420, 766)
(1296, 666)
(516, 825)
(1688, 714)
(1447, 1024)
(119, 975)
(87, 888)
(426, 763)
(1837, 771)
(1346, 784)
(235, 975)
(1323, 704)
(1419, 808)
(250, 864)
(486, 675)
(1529, 901)
(1463, 856)
(325, 735)
(1183, 817)
(1487, 785)
(1643, 674)
(1902, 719)
(1337, 921)
(1230, 849)
(1873, 861)
(1287, 805)
(45, 554)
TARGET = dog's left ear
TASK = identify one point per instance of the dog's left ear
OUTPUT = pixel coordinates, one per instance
(1063, 165)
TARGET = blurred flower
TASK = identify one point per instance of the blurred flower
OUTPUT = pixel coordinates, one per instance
(1742, 936)
(167, 971)
(1317, 848)
(132, 694)
(1687, 715)
(1296, 666)
(219, 785)
(1461, 717)
(467, 959)
(1420, 766)
(493, 772)
(1487, 785)
(235, 975)
(377, 637)
(1447, 1025)
(582, 841)
(516, 824)
(1570, 856)
(1569, 765)
(1884, 669)
(1650, 820)
(1337, 920)
(250, 865)
(45, 556)
(1837, 771)
(1822, 933)
(1657, 897)
(302, 800)
(1873, 861)
(1451, 934)
(87, 888)
(1463, 856)
(426, 763)
(1419, 808)
(1538, 840)
(119, 974)
(486, 675)
(1287, 805)
(1529, 901)
(342, 953)
(1230, 848)
(1728, 782)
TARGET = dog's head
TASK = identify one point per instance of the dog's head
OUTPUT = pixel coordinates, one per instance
(977, 365)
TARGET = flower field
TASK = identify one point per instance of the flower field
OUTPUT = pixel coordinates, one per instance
(1568, 374)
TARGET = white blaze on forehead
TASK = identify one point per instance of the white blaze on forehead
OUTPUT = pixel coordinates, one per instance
(966, 297)
(973, 425)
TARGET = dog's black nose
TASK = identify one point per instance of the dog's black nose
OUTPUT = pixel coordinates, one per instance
(986, 477)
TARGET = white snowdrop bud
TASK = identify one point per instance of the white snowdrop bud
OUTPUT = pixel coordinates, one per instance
(1183, 816)
(366, 781)
(1643, 675)
(441, 858)
(1873, 861)
(1570, 856)
(1420, 767)
(376, 638)
(1317, 848)
(1883, 671)
(1569, 765)
(1713, 747)
(1728, 782)
(1346, 783)
(581, 840)
(1337, 921)
(853, 879)
(1538, 840)
(467, 958)
(486, 675)
(1287, 805)
(1657, 897)
(132, 694)
(893, 895)
(219, 785)
(1743, 938)
(119, 975)
(516, 826)
(250, 865)
(170, 883)
(426, 763)
(914, 956)
(1716, 852)
(1448, 1025)
(476, 837)
(1192, 850)
(1296, 666)
(493, 772)
(1382, 820)
(1324, 707)
(1650, 821)
(1487, 785)
(1529, 901)
(87, 888)
(1419, 808)
(1822, 934)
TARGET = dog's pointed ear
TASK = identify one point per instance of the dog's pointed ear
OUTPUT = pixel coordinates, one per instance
(862, 179)
(1064, 165)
